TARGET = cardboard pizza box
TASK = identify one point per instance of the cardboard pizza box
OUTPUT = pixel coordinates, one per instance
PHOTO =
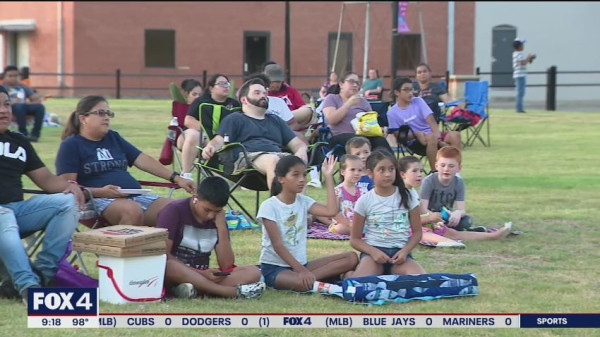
(121, 236)
(148, 249)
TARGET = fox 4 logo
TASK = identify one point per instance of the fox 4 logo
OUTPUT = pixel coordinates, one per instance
(62, 301)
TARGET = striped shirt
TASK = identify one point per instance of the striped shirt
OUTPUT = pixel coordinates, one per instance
(519, 69)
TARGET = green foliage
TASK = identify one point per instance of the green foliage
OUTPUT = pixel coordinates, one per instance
(541, 173)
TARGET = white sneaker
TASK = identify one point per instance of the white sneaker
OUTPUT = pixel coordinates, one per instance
(184, 290)
(451, 244)
(251, 291)
(507, 229)
(315, 184)
(187, 176)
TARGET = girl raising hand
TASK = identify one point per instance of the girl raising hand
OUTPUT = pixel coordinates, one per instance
(284, 264)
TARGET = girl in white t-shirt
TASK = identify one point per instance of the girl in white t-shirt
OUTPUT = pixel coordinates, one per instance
(388, 212)
(283, 256)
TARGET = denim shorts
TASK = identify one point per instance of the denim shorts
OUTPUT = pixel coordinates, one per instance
(387, 267)
(270, 272)
(143, 200)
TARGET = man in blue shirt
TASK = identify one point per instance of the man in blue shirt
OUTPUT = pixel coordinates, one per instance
(24, 103)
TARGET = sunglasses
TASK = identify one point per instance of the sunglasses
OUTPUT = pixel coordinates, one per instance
(223, 84)
(101, 113)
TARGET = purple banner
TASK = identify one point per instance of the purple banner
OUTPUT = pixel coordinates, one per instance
(402, 25)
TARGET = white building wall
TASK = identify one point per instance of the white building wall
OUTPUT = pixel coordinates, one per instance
(565, 34)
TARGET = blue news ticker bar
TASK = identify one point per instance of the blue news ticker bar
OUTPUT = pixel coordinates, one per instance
(560, 320)
(62, 301)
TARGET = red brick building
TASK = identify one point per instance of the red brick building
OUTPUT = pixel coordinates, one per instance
(88, 41)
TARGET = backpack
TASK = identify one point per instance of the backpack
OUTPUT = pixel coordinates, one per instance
(69, 277)
(463, 116)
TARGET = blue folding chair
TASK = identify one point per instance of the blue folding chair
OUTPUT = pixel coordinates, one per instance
(476, 99)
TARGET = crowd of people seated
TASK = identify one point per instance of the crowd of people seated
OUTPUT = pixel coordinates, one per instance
(377, 203)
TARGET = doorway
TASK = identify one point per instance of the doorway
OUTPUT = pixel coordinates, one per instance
(502, 39)
(256, 51)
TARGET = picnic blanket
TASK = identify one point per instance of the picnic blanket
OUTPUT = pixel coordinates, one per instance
(382, 289)
(318, 230)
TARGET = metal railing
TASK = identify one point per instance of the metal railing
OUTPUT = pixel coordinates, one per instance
(551, 82)
(119, 84)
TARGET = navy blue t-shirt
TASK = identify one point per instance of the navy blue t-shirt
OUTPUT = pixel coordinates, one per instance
(270, 134)
(98, 163)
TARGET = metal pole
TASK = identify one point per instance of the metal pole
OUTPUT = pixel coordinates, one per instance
(337, 40)
(288, 65)
(61, 33)
(204, 79)
(423, 40)
(395, 9)
(367, 32)
(551, 89)
(118, 75)
(450, 58)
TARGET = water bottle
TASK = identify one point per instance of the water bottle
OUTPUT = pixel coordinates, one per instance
(445, 213)
(173, 125)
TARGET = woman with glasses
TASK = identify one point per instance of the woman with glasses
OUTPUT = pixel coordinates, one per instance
(340, 109)
(97, 157)
(217, 93)
(414, 112)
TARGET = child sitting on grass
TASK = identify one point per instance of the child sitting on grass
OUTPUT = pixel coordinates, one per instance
(351, 170)
(283, 261)
(388, 212)
(445, 189)
(361, 147)
(434, 229)
(196, 227)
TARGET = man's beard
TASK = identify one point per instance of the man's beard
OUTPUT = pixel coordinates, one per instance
(261, 102)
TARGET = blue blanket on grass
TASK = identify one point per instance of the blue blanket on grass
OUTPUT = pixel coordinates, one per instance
(382, 289)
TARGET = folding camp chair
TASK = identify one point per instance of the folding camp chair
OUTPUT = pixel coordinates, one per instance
(476, 101)
(33, 241)
(221, 164)
(175, 130)
(408, 145)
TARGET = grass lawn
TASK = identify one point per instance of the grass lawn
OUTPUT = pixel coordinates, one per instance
(541, 173)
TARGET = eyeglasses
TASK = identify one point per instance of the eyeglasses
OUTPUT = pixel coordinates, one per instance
(101, 113)
(351, 81)
(223, 84)
(407, 89)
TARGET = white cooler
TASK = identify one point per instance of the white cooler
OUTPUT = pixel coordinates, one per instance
(131, 279)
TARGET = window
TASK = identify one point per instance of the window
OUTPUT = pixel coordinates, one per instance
(408, 51)
(160, 49)
(343, 64)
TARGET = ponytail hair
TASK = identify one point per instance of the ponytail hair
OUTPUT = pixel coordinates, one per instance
(284, 165)
(72, 127)
(378, 155)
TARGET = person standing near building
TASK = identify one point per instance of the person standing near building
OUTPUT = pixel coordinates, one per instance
(519, 61)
